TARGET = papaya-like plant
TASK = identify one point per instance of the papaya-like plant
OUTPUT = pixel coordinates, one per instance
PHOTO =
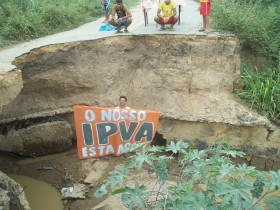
(206, 179)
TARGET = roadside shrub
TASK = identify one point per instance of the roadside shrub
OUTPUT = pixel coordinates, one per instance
(205, 179)
(261, 90)
(27, 19)
(255, 22)
(22, 27)
(57, 18)
(25, 5)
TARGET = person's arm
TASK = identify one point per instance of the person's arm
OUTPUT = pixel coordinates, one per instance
(174, 10)
(127, 12)
(114, 12)
(159, 13)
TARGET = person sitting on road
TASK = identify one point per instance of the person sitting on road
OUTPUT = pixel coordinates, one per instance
(166, 14)
(124, 17)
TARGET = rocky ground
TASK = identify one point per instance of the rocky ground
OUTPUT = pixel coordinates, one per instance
(64, 170)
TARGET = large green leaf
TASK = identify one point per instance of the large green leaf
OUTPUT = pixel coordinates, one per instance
(226, 170)
(195, 154)
(101, 192)
(178, 146)
(232, 153)
(274, 183)
(198, 170)
(117, 177)
(234, 193)
(135, 197)
(140, 158)
(246, 170)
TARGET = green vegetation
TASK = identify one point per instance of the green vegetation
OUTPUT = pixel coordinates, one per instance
(254, 21)
(205, 179)
(272, 203)
(262, 90)
(28, 19)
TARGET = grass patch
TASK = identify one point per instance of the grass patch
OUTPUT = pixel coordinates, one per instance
(256, 22)
(261, 90)
(22, 20)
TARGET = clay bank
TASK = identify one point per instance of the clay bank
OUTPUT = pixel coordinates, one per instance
(189, 79)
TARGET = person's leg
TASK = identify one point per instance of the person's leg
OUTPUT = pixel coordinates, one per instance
(107, 12)
(128, 22)
(204, 22)
(207, 24)
(107, 16)
(203, 12)
(113, 23)
(207, 17)
(174, 21)
(158, 21)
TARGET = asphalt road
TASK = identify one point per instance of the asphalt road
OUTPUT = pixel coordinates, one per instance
(190, 22)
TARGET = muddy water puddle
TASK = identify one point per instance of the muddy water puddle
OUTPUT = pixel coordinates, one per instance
(40, 195)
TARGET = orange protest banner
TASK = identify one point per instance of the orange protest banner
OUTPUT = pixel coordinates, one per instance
(105, 131)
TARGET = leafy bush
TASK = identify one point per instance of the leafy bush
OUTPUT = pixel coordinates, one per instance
(261, 90)
(272, 202)
(22, 27)
(256, 22)
(28, 19)
(225, 185)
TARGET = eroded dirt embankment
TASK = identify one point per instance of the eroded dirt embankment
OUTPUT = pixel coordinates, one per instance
(189, 79)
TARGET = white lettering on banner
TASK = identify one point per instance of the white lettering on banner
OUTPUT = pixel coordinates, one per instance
(88, 151)
(99, 151)
(123, 147)
(89, 115)
(132, 114)
(122, 114)
(143, 117)
(107, 129)
(110, 149)
(94, 151)
(106, 114)
(101, 148)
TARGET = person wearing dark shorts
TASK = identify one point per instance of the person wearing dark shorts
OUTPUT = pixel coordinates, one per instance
(106, 9)
(166, 14)
(123, 19)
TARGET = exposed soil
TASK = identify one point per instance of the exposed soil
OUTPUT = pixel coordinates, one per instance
(67, 170)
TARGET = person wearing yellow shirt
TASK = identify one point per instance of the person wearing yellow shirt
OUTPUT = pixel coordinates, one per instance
(166, 14)
(205, 8)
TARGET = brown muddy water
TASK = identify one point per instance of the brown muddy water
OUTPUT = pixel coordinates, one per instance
(39, 194)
